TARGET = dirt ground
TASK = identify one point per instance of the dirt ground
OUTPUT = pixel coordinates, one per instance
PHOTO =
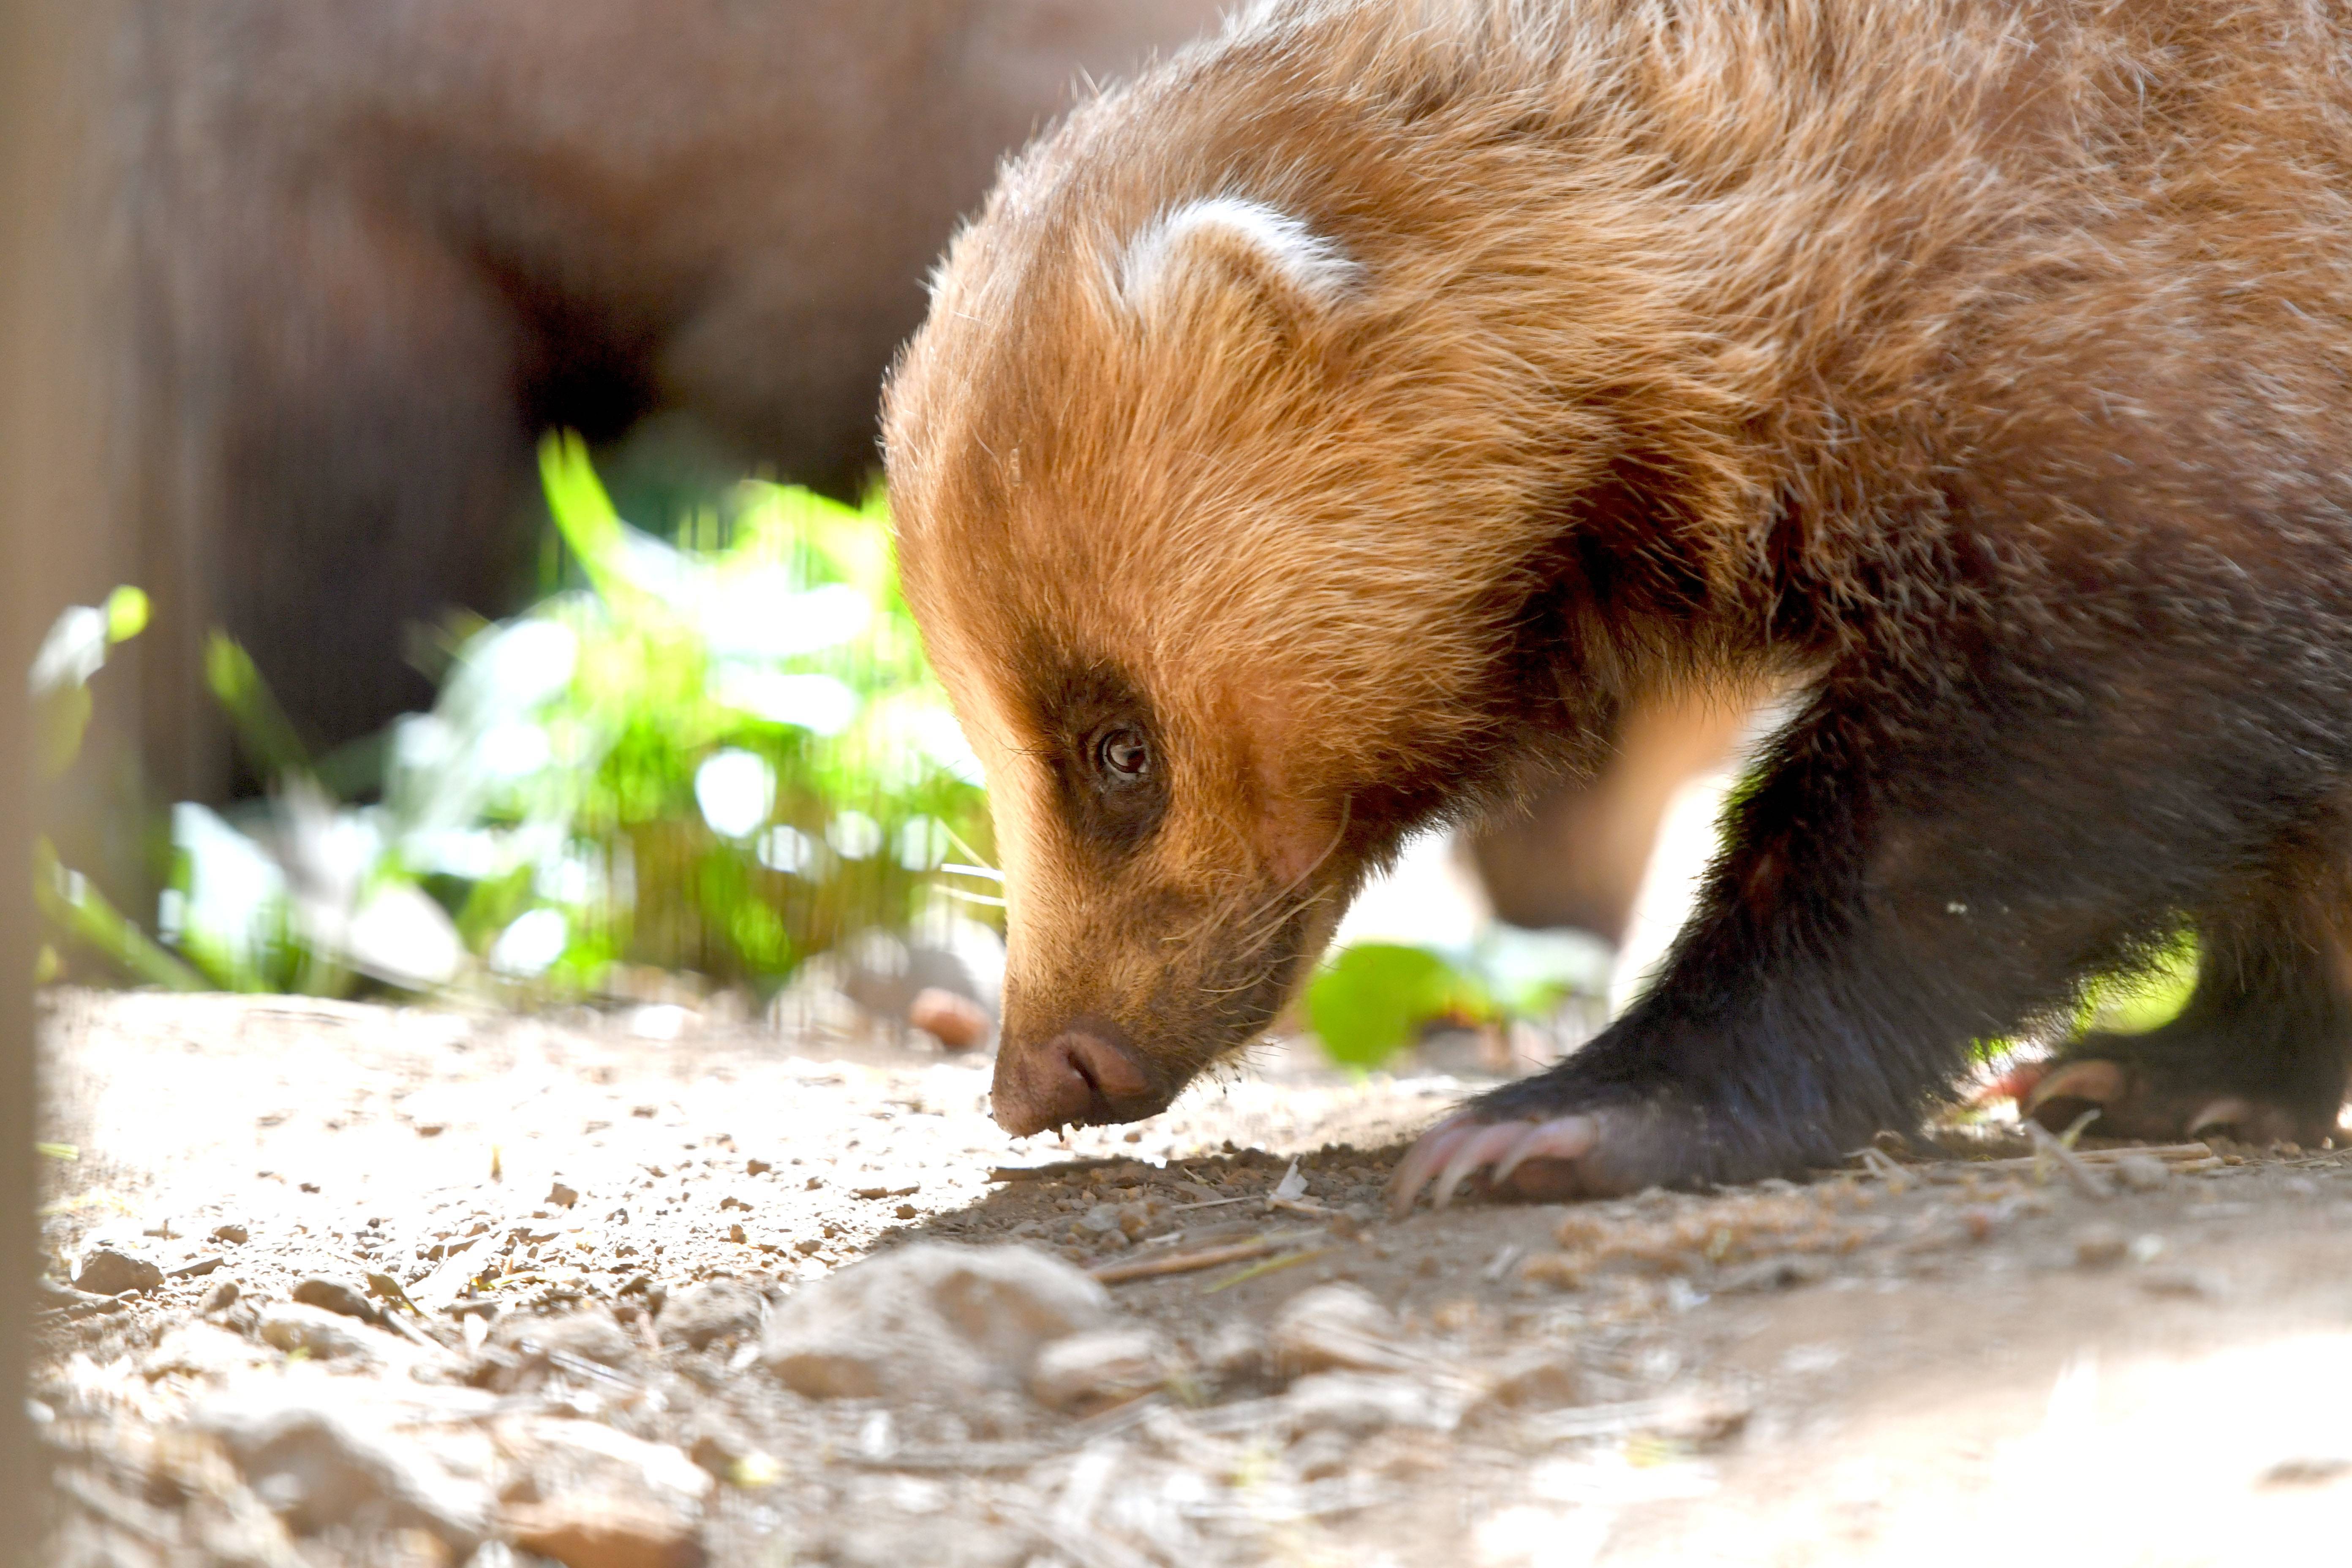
(2129, 1359)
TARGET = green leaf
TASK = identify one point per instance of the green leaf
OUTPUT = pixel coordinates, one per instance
(1375, 999)
(127, 612)
(60, 720)
(262, 727)
(584, 515)
(69, 902)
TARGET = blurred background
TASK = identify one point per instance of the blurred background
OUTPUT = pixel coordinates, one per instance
(481, 584)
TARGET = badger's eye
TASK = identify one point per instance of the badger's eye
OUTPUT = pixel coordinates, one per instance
(1122, 757)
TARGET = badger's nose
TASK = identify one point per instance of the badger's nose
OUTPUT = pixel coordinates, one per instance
(1085, 1075)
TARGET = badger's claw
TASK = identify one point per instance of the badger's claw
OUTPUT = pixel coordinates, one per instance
(1460, 1146)
(2092, 1081)
(2133, 1104)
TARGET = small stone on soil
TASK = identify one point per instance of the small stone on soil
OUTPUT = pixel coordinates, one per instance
(581, 1530)
(1092, 1371)
(328, 1336)
(717, 1309)
(339, 1296)
(1359, 1404)
(318, 1458)
(933, 1318)
(110, 1271)
(2099, 1246)
(1335, 1326)
(592, 1333)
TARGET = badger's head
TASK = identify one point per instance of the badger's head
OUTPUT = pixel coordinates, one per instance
(1234, 535)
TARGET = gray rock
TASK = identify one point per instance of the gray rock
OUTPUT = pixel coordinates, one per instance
(220, 1297)
(110, 1270)
(320, 1458)
(339, 1296)
(714, 1309)
(933, 1318)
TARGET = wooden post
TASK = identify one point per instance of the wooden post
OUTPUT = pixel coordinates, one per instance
(50, 524)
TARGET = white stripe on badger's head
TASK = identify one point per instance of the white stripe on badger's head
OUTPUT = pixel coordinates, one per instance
(1275, 244)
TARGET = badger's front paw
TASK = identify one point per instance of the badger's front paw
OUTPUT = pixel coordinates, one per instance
(1552, 1137)
(1598, 1151)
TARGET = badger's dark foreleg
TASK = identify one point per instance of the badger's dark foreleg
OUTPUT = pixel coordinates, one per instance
(1925, 862)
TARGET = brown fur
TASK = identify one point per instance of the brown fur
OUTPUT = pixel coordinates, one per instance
(1985, 362)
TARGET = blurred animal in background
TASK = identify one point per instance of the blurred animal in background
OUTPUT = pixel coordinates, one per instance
(356, 258)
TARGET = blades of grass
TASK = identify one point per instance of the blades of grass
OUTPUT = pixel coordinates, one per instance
(356, 768)
(586, 517)
(261, 725)
(1271, 1266)
(968, 853)
(69, 901)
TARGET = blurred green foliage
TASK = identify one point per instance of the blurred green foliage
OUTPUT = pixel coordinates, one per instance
(2144, 999)
(1375, 999)
(722, 758)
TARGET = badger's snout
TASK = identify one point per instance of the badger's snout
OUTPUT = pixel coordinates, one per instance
(1088, 1075)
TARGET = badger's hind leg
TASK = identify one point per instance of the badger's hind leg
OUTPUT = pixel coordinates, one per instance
(2262, 1049)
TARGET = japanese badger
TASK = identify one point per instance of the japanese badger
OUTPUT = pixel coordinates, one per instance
(1324, 435)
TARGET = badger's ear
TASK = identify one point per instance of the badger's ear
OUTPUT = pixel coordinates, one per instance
(1223, 251)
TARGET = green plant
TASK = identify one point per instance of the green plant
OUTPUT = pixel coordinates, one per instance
(722, 758)
(1373, 999)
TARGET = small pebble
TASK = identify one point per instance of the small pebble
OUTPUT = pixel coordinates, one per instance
(339, 1296)
(1092, 1371)
(584, 1529)
(2099, 1246)
(714, 1309)
(110, 1271)
(2190, 1282)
